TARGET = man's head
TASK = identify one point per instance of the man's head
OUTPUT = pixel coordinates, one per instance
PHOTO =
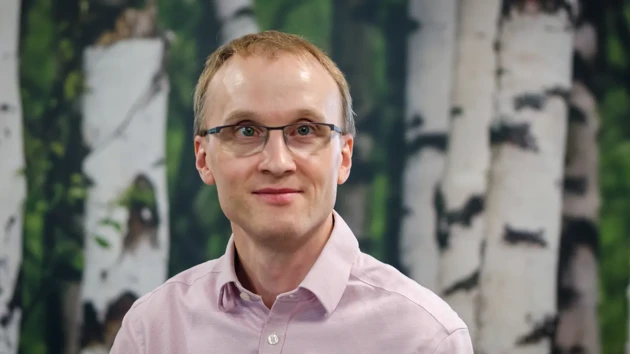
(273, 183)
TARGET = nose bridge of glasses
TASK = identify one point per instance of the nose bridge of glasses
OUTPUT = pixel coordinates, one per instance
(269, 131)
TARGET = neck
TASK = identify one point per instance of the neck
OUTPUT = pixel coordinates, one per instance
(268, 272)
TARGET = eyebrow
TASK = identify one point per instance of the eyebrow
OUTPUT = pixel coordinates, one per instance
(239, 115)
(302, 113)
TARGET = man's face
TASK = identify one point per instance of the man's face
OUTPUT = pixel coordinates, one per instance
(274, 92)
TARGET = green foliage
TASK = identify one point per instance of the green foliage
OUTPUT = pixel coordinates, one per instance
(614, 268)
(101, 241)
(310, 19)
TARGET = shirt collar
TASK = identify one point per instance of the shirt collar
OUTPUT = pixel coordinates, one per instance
(327, 278)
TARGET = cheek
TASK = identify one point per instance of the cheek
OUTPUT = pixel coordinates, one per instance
(231, 173)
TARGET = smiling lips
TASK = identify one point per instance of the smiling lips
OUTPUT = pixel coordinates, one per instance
(277, 196)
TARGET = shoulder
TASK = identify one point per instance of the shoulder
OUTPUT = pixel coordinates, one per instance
(187, 283)
(418, 303)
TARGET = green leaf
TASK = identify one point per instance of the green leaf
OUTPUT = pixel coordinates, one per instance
(72, 85)
(113, 223)
(102, 241)
(57, 148)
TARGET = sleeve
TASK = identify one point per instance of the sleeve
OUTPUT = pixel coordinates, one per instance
(458, 342)
(129, 339)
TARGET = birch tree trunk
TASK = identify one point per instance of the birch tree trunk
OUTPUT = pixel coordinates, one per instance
(524, 202)
(468, 157)
(126, 222)
(351, 49)
(236, 18)
(12, 180)
(578, 286)
(428, 96)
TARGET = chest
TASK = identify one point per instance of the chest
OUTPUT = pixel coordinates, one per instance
(291, 327)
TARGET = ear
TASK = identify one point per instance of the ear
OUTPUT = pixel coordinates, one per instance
(347, 142)
(202, 160)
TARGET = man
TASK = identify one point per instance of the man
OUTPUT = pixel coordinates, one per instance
(274, 132)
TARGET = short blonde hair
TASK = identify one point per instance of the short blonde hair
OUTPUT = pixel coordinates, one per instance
(269, 42)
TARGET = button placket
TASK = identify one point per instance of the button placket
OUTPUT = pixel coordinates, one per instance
(272, 336)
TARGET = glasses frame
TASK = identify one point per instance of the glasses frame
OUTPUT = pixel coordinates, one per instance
(218, 129)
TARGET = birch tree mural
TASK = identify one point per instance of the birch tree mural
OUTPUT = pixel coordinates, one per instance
(524, 198)
(578, 285)
(236, 18)
(12, 181)
(351, 48)
(430, 67)
(126, 220)
(468, 157)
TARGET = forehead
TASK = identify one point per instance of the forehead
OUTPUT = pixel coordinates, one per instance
(273, 89)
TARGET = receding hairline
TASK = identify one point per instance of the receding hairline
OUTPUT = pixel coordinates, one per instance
(270, 44)
(304, 58)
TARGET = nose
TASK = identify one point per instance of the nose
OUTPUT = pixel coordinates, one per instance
(277, 159)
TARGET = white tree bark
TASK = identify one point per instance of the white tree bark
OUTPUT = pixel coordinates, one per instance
(428, 96)
(524, 204)
(578, 325)
(12, 180)
(468, 156)
(236, 18)
(126, 249)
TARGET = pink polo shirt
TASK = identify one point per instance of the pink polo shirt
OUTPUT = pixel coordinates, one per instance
(349, 302)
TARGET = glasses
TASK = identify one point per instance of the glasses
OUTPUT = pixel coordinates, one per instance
(249, 139)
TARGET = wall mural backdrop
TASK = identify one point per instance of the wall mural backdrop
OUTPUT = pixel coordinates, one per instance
(492, 162)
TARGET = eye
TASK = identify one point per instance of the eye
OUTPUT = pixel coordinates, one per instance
(246, 130)
(304, 129)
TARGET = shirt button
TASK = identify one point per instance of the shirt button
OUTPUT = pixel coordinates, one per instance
(244, 296)
(272, 339)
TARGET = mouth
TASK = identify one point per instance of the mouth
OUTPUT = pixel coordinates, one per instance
(277, 196)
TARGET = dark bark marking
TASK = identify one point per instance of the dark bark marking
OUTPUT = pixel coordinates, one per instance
(499, 72)
(534, 6)
(465, 284)
(496, 46)
(91, 328)
(456, 111)
(5, 107)
(445, 218)
(580, 231)
(517, 134)
(464, 216)
(416, 121)
(441, 223)
(576, 115)
(559, 91)
(8, 225)
(529, 100)
(575, 185)
(584, 71)
(514, 236)
(144, 217)
(12, 306)
(482, 249)
(3, 268)
(537, 101)
(159, 162)
(245, 11)
(437, 141)
(540, 331)
(576, 349)
(575, 232)
(566, 296)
